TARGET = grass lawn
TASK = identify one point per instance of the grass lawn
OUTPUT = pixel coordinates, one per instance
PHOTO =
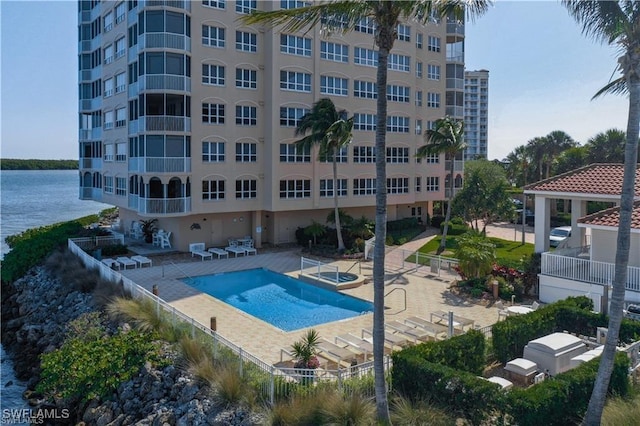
(511, 251)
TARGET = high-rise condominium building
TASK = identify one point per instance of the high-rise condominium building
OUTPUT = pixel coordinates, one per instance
(187, 115)
(476, 113)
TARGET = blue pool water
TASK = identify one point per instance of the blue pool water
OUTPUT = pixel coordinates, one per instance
(282, 301)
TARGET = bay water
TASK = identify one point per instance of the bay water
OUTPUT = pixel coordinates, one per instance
(30, 199)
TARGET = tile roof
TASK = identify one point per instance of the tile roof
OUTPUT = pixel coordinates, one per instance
(611, 217)
(600, 179)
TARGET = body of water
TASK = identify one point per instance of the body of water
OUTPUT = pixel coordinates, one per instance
(30, 199)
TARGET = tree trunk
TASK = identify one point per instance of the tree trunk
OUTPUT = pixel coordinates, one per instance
(447, 218)
(335, 201)
(631, 69)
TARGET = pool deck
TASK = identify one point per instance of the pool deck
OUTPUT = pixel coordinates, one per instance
(425, 293)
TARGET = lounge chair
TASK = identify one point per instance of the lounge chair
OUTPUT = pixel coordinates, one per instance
(248, 248)
(458, 321)
(392, 339)
(219, 252)
(438, 331)
(415, 333)
(198, 248)
(125, 262)
(339, 354)
(357, 343)
(233, 248)
(111, 263)
(142, 260)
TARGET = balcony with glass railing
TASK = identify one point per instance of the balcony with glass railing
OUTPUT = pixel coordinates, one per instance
(176, 4)
(159, 206)
(90, 163)
(164, 82)
(455, 83)
(455, 28)
(458, 165)
(168, 123)
(90, 193)
(160, 165)
(164, 41)
(90, 134)
(455, 111)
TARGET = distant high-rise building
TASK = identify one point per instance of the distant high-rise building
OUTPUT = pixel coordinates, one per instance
(187, 115)
(476, 113)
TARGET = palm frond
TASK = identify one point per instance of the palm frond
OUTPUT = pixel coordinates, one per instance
(616, 87)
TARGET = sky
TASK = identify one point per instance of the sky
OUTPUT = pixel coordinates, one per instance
(542, 75)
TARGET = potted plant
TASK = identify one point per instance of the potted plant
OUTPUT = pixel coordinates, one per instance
(148, 226)
(304, 353)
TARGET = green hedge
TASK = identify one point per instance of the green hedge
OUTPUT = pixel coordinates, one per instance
(454, 228)
(406, 223)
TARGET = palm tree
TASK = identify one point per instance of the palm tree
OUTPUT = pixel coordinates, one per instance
(616, 23)
(332, 132)
(536, 149)
(386, 16)
(446, 137)
(556, 142)
(606, 147)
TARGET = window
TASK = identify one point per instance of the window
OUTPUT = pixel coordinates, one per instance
(366, 25)
(403, 32)
(397, 93)
(343, 154)
(295, 188)
(295, 45)
(121, 186)
(432, 183)
(364, 122)
(108, 54)
(213, 74)
(432, 159)
(108, 184)
(246, 6)
(419, 98)
(419, 69)
(246, 79)
(326, 187)
(397, 124)
(334, 86)
(246, 42)
(399, 62)
(121, 47)
(246, 152)
(433, 100)
(246, 189)
(433, 72)
(121, 82)
(213, 113)
(290, 117)
(246, 115)
(108, 87)
(397, 155)
(364, 154)
(108, 120)
(433, 44)
(213, 190)
(290, 153)
(365, 89)
(364, 186)
(133, 72)
(213, 36)
(418, 183)
(397, 185)
(121, 152)
(419, 40)
(121, 10)
(293, 4)
(296, 81)
(366, 57)
(334, 52)
(108, 22)
(132, 35)
(216, 4)
(418, 127)
(212, 152)
(109, 152)
(121, 117)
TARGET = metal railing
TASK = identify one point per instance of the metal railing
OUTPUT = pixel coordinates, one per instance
(404, 308)
(169, 262)
(318, 269)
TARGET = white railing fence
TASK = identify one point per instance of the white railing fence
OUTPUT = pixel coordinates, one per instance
(318, 269)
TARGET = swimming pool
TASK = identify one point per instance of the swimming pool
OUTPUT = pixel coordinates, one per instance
(280, 300)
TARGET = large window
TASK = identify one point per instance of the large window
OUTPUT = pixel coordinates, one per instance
(246, 78)
(108, 184)
(364, 154)
(397, 124)
(433, 72)
(399, 62)
(246, 6)
(121, 47)
(108, 54)
(334, 52)
(326, 187)
(246, 42)
(295, 45)
(433, 100)
(290, 117)
(367, 57)
(398, 93)
(290, 153)
(246, 188)
(212, 152)
(365, 89)
(108, 120)
(121, 82)
(364, 186)
(213, 113)
(213, 189)
(121, 152)
(216, 4)
(366, 25)
(342, 157)
(213, 36)
(397, 154)
(296, 81)
(108, 22)
(108, 87)
(334, 86)
(293, 4)
(295, 188)
(246, 152)
(213, 74)
(121, 186)
(432, 184)
(121, 117)
(404, 32)
(398, 185)
(433, 44)
(121, 10)
(246, 115)
(365, 122)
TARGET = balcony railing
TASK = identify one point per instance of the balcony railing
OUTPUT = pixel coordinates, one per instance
(165, 41)
(587, 271)
(163, 205)
(455, 111)
(455, 83)
(178, 4)
(90, 193)
(164, 82)
(455, 28)
(91, 163)
(90, 134)
(458, 165)
(160, 165)
(154, 123)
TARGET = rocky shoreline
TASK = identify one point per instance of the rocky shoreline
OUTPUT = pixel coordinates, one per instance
(35, 311)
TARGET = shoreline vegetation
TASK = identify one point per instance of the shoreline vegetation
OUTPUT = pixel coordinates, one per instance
(34, 164)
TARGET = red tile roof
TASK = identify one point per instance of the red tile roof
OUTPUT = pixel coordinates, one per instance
(600, 179)
(611, 217)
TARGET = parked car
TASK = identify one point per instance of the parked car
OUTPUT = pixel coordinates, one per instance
(529, 217)
(558, 235)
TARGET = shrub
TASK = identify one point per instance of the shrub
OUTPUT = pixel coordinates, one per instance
(454, 229)
(436, 220)
(114, 250)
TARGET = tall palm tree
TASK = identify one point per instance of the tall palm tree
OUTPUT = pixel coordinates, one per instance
(606, 147)
(331, 132)
(536, 149)
(446, 137)
(556, 142)
(616, 23)
(518, 162)
(386, 16)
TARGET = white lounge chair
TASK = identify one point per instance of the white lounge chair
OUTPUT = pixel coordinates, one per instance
(126, 262)
(233, 248)
(198, 248)
(219, 252)
(111, 263)
(356, 342)
(415, 333)
(438, 331)
(392, 339)
(339, 354)
(142, 260)
(248, 248)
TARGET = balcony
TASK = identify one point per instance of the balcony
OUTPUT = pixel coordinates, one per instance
(455, 83)
(91, 104)
(155, 123)
(571, 265)
(164, 82)
(455, 111)
(90, 163)
(165, 41)
(90, 134)
(455, 28)
(90, 193)
(177, 4)
(159, 206)
(458, 165)
(160, 165)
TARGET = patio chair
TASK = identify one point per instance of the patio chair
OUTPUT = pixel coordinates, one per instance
(233, 248)
(219, 252)
(502, 312)
(126, 262)
(111, 263)
(165, 240)
(142, 260)
(248, 248)
(535, 305)
(198, 248)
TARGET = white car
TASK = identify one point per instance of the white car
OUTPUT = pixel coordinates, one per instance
(558, 235)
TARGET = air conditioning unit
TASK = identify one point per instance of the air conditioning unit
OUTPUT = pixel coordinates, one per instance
(601, 335)
(538, 378)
